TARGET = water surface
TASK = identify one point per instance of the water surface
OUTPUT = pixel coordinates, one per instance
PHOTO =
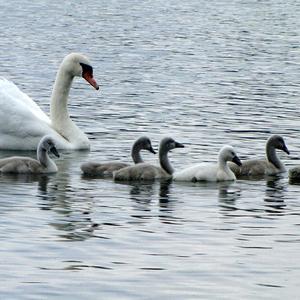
(204, 72)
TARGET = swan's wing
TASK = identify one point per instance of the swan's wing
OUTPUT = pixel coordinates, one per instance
(22, 122)
(12, 97)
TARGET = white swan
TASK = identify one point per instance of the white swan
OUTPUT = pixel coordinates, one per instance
(107, 169)
(145, 171)
(23, 123)
(211, 171)
(28, 165)
(269, 166)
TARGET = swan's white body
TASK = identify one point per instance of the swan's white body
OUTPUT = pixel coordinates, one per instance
(23, 123)
(210, 171)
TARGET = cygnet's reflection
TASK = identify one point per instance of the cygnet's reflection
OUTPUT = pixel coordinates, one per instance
(72, 206)
(275, 194)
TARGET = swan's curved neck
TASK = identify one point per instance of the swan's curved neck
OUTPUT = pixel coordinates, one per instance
(272, 156)
(45, 160)
(60, 119)
(164, 161)
(59, 100)
(136, 154)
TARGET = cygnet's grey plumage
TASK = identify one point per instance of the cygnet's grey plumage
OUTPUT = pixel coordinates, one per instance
(28, 165)
(145, 171)
(294, 174)
(269, 166)
(107, 169)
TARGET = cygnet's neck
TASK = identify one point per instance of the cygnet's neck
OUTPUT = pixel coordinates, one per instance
(272, 156)
(164, 161)
(136, 153)
(223, 164)
(45, 160)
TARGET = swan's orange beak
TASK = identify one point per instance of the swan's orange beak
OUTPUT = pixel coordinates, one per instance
(90, 79)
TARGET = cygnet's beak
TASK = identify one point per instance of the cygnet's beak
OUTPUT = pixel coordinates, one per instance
(179, 145)
(285, 149)
(90, 79)
(236, 160)
(54, 151)
(152, 150)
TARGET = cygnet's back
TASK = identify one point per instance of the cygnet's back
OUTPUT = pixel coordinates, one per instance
(107, 169)
(142, 171)
(145, 171)
(269, 166)
(211, 171)
(28, 165)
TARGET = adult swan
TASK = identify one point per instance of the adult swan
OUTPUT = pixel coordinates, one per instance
(23, 123)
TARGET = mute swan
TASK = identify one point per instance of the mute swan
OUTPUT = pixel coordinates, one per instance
(23, 123)
(211, 171)
(270, 166)
(107, 169)
(28, 165)
(146, 171)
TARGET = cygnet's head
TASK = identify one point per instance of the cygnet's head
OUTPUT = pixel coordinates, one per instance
(167, 144)
(227, 153)
(145, 144)
(77, 64)
(278, 143)
(47, 144)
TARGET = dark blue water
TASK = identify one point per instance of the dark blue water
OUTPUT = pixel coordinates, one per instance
(204, 72)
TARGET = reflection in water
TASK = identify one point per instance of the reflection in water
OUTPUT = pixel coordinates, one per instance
(225, 194)
(144, 194)
(73, 208)
(275, 194)
(164, 193)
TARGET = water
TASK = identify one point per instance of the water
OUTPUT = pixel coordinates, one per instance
(204, 72)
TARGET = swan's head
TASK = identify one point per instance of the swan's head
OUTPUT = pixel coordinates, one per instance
(77, 64)
(47, 144)
(167, 144)
(278, 143)
(227, 153)
(145, 144)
